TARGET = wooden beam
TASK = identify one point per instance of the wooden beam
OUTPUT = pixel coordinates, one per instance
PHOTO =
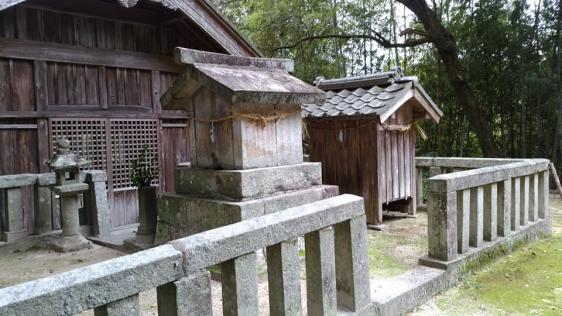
(18, 126)
(107, 10)
(35, 50)
(100, 113)
(206, 18)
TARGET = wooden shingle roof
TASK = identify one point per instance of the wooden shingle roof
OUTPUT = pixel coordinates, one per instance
(379, 94)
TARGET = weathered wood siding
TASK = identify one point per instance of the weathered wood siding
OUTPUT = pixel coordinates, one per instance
(362, 158)
(89, 59)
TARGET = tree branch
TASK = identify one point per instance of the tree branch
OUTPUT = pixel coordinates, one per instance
(376, 36)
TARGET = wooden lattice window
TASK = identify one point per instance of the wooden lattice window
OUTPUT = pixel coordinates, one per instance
(111, 144)
(87, 138)
(127, 140)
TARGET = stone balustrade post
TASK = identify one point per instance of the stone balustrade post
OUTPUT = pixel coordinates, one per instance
(14, 227)
(283, 273)
(188, 296)
(544, 211)
(96, 203)
(534, 197)
(442, 225)
(352, 264)
(128, 306)
(524, 200)
(434, 171)
(240, 286)
(463, 220)
(515, 203)
(321, 298)
(504, 208)
(419, 186)
(490, 211)
(13, 221)
(42, 203)
(476, 238)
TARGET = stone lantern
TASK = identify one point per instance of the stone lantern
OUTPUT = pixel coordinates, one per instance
(68, 186)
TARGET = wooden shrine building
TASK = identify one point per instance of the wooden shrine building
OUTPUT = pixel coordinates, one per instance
(365, 134)
(93, 71)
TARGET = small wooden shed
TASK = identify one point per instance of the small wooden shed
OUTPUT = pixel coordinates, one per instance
(365, 134)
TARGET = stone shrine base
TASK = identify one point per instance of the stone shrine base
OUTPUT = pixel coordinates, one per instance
(69, 243)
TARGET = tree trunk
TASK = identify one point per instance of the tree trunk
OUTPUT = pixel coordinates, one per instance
(477, 114)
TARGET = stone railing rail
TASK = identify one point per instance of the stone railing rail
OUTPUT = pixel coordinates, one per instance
(468, 208)
(427, 167)
(336, 263)
(13, 228)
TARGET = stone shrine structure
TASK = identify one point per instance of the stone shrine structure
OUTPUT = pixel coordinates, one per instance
(69, 187)
(245, 135)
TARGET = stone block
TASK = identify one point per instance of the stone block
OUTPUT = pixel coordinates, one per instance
(544, 190)
(46, 179)
(188, 296)
(352, 264)
(283, 273)
(218, 245)
(14, 227)
(128, 306)
(442, 225)
(42, 209)
(463, 220)
(321, 297)
(95, 176)
(96, 203)
(70, 243)
(72, 292)
(180, 215)
(476, 236)
(490, 211)
(240, 185)
(504, 208)
(524, 200)
(534, 197)
(17, 180)
(240, 286)
(515, 204)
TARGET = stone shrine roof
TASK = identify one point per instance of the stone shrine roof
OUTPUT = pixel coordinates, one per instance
(240, 79)
(378, 94)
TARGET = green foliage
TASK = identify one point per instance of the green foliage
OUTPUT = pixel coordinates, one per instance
(507, 48)
(142, 169)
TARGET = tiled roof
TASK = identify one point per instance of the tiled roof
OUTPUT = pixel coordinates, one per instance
(366, 95)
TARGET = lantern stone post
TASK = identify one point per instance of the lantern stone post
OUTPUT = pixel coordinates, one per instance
(68, 186)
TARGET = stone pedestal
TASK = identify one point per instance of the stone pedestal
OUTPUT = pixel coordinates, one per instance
(71, 239)
(148, 214)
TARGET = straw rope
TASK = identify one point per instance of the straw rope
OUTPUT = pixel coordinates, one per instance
(259, 119)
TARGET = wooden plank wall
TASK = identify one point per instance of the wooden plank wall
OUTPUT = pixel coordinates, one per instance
(86, 81)
(347, 150)
(362, 158)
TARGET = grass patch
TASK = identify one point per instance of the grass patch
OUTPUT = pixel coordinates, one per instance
(526, 282)
(391, 255)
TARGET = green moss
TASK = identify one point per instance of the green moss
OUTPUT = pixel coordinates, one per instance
(391, 255)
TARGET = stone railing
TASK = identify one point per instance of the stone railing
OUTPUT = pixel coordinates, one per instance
(336, 264)
(13, 226)
(427, 167)
(483, 205)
